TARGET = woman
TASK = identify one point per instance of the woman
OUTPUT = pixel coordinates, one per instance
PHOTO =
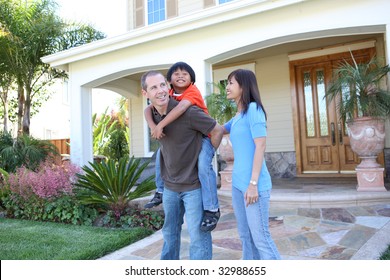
(251, 180)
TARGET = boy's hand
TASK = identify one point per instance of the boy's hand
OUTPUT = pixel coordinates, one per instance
(157, 132)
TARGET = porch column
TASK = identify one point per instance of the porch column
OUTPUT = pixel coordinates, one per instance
(387, 123)
(81, 149)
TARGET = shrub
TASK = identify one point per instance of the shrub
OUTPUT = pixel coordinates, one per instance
(133, 218)
(50, 180)
(25, 151)
(111, 185)
(65, 209)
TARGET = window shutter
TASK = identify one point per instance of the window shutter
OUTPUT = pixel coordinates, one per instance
(171, 8)
(139, 13)
(208, 3)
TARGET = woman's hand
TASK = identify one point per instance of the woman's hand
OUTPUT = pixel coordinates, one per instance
(251, 195)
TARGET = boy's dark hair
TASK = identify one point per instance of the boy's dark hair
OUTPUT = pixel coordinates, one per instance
(181, 66)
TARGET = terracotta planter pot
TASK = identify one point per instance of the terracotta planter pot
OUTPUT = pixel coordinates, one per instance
(226, 153)
(367, 139)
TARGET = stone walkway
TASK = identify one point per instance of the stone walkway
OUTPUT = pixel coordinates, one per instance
(360, 229)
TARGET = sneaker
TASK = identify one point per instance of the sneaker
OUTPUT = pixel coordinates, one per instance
(156, 200)
(210, 220)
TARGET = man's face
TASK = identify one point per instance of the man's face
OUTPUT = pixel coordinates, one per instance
(156, 90)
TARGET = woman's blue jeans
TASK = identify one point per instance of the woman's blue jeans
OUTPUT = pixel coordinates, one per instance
(176, 205)
(206, 174)
(253, 227)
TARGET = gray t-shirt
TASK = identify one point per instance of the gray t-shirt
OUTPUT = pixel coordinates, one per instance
(181, 145)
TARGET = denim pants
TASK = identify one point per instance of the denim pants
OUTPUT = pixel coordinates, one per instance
(206, 174)
(176, 205)
(253, 227)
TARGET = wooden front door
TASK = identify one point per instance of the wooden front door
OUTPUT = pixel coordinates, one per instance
(322, 142)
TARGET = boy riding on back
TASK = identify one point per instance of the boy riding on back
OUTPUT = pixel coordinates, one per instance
(182, 78)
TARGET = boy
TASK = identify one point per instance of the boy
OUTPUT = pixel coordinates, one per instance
(181, 76)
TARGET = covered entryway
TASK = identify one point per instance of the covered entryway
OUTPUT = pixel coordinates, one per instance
(321, 135)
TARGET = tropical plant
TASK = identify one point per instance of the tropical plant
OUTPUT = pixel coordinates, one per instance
(24, 150)
(219, 107)
(112, 184)
(117, 146)
(103, 127)
(32, 30)
(358, 87)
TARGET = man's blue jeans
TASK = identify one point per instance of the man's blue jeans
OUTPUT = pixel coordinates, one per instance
(176, 205)
(206, 173)
(253, 229)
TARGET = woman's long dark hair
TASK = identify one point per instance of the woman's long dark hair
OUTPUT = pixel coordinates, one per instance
(250, 90)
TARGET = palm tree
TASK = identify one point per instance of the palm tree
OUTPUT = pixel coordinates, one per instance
(34, 31)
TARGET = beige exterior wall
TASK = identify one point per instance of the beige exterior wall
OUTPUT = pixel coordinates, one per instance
(137, 126)
(274, 82)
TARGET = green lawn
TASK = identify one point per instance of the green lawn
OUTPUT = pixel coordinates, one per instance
(30, 240)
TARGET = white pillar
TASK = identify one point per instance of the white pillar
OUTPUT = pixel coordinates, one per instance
(81, 149)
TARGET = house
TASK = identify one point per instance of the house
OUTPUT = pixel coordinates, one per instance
(291, 45)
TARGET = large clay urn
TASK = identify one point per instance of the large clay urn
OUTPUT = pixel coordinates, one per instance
(226, 153)
(367, 139)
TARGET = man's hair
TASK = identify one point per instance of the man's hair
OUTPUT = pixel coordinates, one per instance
(148, 74)
(181, 66)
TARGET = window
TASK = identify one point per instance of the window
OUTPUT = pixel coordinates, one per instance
(156, 11)
(224, 1)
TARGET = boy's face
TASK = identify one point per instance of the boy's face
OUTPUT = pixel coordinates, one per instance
(180, 79)
(156, 90)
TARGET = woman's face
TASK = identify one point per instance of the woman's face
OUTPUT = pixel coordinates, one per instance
(233, 90)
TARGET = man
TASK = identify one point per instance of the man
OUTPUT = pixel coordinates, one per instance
(180, 148)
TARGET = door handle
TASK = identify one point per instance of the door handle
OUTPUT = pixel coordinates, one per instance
(333, 133)
(340, 134)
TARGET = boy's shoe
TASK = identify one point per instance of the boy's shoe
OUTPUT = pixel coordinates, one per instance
(156, 200)
(210, 220)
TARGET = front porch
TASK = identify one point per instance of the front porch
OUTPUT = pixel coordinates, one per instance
(310, 219)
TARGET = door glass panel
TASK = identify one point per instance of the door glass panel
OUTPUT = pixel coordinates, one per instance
(322, 110)
(310, 131)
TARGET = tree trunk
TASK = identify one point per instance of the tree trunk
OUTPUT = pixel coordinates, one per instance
(27, 110)
(20, 106)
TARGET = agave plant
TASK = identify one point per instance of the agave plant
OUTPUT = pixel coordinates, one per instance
(112, 184)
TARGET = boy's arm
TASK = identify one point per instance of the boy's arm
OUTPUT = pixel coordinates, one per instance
(176, 112)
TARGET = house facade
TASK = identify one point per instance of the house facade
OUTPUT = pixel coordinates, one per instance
(291, 45)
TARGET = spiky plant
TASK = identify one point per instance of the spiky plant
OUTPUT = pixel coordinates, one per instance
(359, 88)
(220, 108)
(112, 184)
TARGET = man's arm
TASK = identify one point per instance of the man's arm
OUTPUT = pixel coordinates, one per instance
(216, 135)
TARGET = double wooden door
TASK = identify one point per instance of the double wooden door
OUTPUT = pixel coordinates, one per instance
(321, 135)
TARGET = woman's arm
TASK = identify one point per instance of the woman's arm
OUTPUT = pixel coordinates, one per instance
(252, 194)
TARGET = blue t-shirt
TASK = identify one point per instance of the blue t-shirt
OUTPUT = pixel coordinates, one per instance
(243, 128)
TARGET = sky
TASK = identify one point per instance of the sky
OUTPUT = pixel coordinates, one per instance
(106, 16)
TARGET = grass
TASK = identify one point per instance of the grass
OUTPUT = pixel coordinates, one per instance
(386, 254)
(31, 240)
